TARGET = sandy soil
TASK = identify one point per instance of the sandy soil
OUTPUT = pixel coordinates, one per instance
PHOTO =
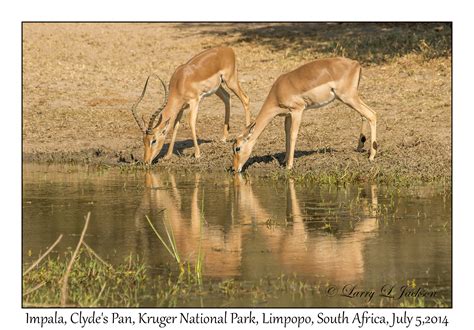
(80, 80)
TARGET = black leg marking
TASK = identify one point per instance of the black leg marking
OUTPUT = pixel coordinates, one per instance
(375, 145)
(360, 146)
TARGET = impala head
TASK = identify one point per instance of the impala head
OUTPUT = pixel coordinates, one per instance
(153, 141)
(154, 134)
(242, 148)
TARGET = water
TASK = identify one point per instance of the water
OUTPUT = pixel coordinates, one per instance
(354, 239)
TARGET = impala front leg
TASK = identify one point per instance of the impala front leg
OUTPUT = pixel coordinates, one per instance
(193, 107)
(295, 126)
(173, 137)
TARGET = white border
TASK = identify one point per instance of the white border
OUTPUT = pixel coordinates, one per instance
(242, 10)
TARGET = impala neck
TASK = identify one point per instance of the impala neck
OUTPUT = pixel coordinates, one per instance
(170, 111)
(264, 117)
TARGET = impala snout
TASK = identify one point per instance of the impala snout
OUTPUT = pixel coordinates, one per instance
(152, 146)
(236, 167)
(241, 153)
(148, 157)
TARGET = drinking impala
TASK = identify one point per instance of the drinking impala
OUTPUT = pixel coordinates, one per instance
(310, 86)
(201, 76)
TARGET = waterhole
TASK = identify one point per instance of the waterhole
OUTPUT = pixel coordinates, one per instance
(348, 240)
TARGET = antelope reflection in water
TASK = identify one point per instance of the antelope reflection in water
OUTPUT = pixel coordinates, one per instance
(237, 238)
(181, 209)
(298, 247)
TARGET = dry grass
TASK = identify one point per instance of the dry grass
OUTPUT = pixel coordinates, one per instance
(81, 79)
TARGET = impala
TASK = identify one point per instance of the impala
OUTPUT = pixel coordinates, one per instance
(310, 86)
(201, 76)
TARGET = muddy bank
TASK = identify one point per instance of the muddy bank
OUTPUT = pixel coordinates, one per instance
(80, 81)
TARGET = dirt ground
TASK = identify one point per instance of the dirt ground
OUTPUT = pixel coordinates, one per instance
(80, 80)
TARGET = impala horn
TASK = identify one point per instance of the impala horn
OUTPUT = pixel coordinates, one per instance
(158, 111)
(134, 107)
(155, 114)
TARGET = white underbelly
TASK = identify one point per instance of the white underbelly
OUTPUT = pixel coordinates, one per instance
(315, 101)
(211, 86)
(210, 92)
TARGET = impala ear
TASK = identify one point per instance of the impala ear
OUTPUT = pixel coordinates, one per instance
(165, 128)
(251, 127)
(158, 122)
(249, 130)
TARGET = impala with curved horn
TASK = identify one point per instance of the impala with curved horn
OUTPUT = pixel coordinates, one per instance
(201, 76)
(310, 86)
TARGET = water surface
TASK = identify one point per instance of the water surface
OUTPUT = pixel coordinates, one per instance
(353, 238)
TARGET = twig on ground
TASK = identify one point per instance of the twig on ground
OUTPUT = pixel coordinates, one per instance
(99, 296)
(69, 266)
(34, 289)
(91, 251)
(44, 255)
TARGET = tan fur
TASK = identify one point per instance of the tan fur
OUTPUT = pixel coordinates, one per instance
(312, 85)
(201, 76)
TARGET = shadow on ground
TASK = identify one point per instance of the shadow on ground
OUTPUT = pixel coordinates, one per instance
(369, 43)
(280, 156)
(179, 147)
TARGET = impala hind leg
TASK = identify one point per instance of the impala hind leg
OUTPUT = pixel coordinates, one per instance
(234, 85)
(357, 104)
(225, 97)
(173, 137)
(288, 137)
(362, 137)
(193, 108)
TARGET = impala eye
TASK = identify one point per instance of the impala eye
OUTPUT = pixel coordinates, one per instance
(153, 142)
(237, 149)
